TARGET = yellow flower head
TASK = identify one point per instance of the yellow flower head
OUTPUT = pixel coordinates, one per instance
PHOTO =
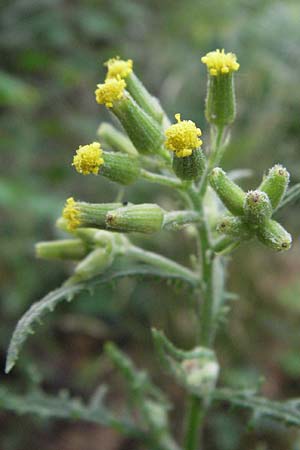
(71, 214)
(220, 63)
(118, 67)
(88, 159)
(182, 137)
(110, 91)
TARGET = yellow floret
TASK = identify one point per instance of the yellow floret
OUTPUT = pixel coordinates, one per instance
(220, 63)
(71, 214)
(88, 159)
(182, 137)
(110, 91)
(118, 67)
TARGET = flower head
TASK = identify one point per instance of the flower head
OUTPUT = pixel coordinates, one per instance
(182, 137)
(71, 214)
(110, 91)
(88, 158)
(220, 63)
(117, 67)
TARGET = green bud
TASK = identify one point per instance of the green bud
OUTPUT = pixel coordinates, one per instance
(116, 140)
(257, 207)
(274, 236)
(190, 167)
(275, 184)
(73, 249)
(144, 218)
(144, 132)
(200, 374)
(234, 227)
(95, 263)
(143, 98)
(229, 192)
(220, 101)
(123, 169)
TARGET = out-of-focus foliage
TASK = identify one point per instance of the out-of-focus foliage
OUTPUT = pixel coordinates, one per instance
(51, 59)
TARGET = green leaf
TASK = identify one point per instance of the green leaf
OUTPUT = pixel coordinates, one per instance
(34, 314)
(65, 407)
(287, 412)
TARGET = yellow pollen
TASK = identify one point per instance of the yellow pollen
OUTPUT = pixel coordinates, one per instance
(88, 159)
(71, 214)
(183, 137)
(110, 91)
(220, 63)
(118, 67)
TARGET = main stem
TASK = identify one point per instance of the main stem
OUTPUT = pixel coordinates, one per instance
(198, 407)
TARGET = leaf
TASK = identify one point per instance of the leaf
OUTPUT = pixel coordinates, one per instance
(34, 314)
(65, 407)
(292, 195)
(148, 400)
(287, 412)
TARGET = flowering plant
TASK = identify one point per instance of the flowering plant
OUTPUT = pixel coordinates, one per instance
(218, 211)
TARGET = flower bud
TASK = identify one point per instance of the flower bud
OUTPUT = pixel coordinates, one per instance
(183, 139)
(274, 236)
(257, 207)
(117, 167)
(117, 67)
(275, 184)
(73, 249)
(144, 132)
(201, 375)
(220, 100)
(95, 263)
(82, 214)
(234, 227)
(229, 192)
(144, 218)
(116, 140)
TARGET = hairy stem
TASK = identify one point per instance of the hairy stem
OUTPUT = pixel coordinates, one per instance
(161, 179)
(162, 262)
(198, 408)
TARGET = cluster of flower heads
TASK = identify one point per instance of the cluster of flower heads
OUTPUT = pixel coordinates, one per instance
(144, 122)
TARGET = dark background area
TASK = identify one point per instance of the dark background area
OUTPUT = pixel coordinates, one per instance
(52, 54)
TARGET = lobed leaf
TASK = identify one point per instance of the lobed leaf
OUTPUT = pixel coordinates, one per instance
(287, 412)
(33, 315)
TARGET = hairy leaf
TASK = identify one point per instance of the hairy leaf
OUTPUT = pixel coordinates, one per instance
(33, 315)
(287, 412)
(65, 407)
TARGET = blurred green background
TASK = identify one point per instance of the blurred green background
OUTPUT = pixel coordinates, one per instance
(52, 54)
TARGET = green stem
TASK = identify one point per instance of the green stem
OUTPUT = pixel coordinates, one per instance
(195, 417)
(162, 262)
(175, 220)
(198, 408)
(161, 179)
